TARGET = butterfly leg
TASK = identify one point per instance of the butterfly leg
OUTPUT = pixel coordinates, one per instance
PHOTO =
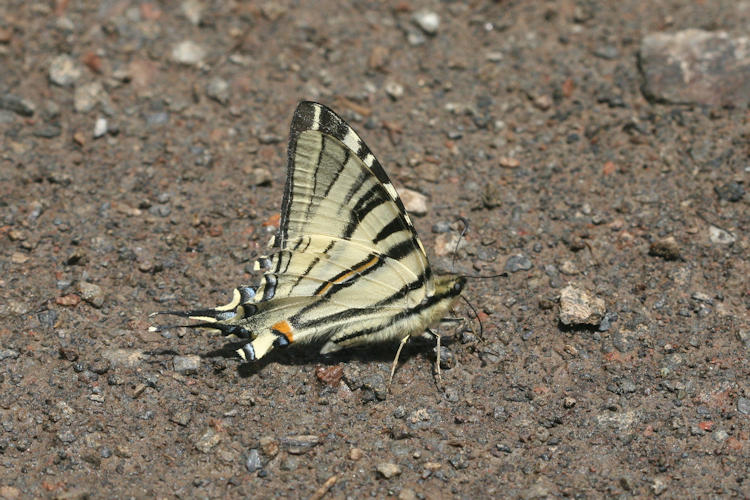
(395, 361)
(437, 360)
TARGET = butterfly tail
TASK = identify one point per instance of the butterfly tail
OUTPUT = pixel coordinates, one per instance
(222, 318)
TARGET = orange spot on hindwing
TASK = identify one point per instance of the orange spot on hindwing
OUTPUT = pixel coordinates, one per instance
(284, 329)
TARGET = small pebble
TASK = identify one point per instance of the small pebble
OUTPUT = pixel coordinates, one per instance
(507, 162)
(407, 494)
(64, 71)
(261, 177)
(8, 354)
(269, 445)
(608, 52)
(719, 236)
(18, 105)
(519, 262)
(297, 445)
(181, 417)
(448, 244)
(720, 435)
(157, 118)
(731, 191)
(394, 90)
(743, 405)
(100, 127)
(207, 441)
(568, 267)
(253, 463)
(415, 202)
(388, 469)
(543, 102)
(578, 307)
(415, 37)
(193, 10)
(441, 227)
(66, 437)
(187, 365)
(218, 90)
(91, 293)
(188, 52)
(428, 171)
(87, 96)
(666, 248)
(428, 21)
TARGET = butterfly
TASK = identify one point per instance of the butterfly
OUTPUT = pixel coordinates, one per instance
(346, 267)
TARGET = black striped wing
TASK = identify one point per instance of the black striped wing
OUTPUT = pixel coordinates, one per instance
(344, 235)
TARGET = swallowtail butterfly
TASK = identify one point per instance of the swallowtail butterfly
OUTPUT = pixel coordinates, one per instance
(346, 267)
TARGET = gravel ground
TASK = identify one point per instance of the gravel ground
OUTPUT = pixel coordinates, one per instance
(142, 168)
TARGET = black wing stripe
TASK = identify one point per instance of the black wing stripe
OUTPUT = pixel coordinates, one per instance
(341, 168)
(366, 203)
(317, 169)
(361, 178)
(392, 227)
(401, 250)
(270, 289)
(306, 272)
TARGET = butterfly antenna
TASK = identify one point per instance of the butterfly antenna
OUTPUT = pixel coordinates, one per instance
(183, 314)
(463, 232)
(455, 253)
(476, 315)
(162, 328)
(484, 276)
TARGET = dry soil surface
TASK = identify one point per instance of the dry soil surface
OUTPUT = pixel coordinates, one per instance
(142, 169)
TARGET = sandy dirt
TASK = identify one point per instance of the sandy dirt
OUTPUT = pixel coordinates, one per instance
(142, 167)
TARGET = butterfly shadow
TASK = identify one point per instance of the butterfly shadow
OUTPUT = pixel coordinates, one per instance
(309, 354)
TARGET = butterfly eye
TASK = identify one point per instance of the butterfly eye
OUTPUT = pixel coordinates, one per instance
(458, 286)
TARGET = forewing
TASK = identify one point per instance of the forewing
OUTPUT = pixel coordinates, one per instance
(338, 192)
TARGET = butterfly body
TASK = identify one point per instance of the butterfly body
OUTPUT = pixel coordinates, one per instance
(346, 267)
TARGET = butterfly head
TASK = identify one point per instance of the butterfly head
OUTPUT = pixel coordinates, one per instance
(448, 286)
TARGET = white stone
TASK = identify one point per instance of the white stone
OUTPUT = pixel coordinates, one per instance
(100, 127)
(188, 52)
(720, 236)
(415, 203)
(428, 21)
(193, 10)
(394, 89)
(63, 70)
(87, 96)
(578, 307)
